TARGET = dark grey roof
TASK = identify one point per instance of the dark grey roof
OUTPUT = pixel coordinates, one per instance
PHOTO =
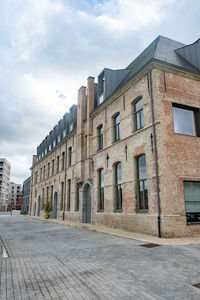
(191, 53)
(162, 50)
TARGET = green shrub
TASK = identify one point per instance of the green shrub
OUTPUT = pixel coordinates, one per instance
(48, 209)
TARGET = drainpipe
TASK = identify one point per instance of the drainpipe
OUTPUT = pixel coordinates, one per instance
(65, 180)
(149, 77)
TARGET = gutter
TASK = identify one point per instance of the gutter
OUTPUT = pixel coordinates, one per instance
(149, 78)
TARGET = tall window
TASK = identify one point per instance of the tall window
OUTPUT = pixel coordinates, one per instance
(68, 195)
(62, 196)
(52, 170)
(36, 177)
(118, 187)
(47, 194)
(63, 160)
(85, 146)
(69, 156)
(142, 191)
(58, 163)
(100, 137)
(77, 197)
(101, 190)
(138, 114)
(48, 169)
(51, 193)
(42, 198)
(116, 126)
(44, 172)
(40, 174)
(192, 201)
(186, 119)
(101, 88)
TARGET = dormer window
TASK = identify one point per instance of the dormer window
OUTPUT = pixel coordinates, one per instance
(49, 147)
(54, 143)
(59, 138)
(101, 88)
(45, 151)
(64, 133)
(71, 127)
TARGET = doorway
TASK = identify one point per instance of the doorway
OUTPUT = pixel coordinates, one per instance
(38, 208)
(54, 206)
(87, 208)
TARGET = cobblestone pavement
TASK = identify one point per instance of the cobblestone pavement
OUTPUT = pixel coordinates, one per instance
(52, 261)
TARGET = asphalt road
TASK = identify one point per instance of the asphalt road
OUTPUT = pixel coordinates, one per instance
(51, 261)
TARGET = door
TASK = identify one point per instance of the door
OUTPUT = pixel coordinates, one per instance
(87, 204)
(38, 208)
(54, 208)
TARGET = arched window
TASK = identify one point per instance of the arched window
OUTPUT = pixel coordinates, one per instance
(116, 127)
(100, 137)
(69, 195)
(62, 196)
(138, 114)
(101, 190)
(117, 186)
(142, 191)
(69, 156)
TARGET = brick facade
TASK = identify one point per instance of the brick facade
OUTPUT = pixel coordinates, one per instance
(178, 157)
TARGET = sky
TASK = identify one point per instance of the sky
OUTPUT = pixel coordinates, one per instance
(48, 48)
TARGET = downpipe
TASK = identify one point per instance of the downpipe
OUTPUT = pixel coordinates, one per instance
(149, 78)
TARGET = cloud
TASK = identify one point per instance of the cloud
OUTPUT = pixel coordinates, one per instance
(49, 47)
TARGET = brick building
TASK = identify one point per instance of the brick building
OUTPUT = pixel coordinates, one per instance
(128, 155)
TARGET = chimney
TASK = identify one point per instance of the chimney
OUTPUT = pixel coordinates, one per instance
(90, 92)
(34, 160)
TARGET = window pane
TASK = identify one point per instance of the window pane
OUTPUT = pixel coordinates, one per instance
(138, 120)
(117, 119)
(184, 121)
(141, 195)
(118, 174)
(141, 167)
(145, 195)
(138, 105)
(119, 196)
(192, 196)
(102, 178)
(142, 118)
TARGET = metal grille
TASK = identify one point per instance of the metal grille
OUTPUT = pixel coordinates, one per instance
(150, 245)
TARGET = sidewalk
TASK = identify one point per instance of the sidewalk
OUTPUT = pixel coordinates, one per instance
(125, 234)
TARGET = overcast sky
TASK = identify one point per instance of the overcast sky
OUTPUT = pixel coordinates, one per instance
(48, 48)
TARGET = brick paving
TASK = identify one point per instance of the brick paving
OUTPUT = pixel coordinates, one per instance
(53, 261)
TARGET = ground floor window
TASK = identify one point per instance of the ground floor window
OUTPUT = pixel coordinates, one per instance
(77, 197)
(192, 201)
(142, 191)
(118, 187)
(101, 190)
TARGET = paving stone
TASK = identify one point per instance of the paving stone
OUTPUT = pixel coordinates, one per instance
(52, 261)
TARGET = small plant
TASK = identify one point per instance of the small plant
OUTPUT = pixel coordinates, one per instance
(9, 208)
(48, 209)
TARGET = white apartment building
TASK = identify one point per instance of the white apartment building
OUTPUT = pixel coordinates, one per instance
(4, 183)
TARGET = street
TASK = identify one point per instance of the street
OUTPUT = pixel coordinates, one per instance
(51, 261)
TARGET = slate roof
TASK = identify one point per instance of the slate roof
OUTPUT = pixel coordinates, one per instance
(191, 53)
(163, 51)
